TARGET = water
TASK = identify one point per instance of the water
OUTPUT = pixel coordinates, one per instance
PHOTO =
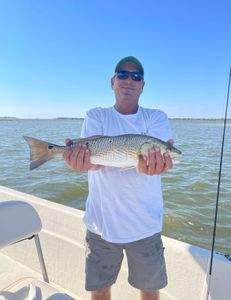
(189, 188)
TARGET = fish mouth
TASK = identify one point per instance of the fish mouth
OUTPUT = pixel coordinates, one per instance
(176, 150)
(172, 149)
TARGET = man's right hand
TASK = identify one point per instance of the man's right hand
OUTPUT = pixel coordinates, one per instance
(78, 157)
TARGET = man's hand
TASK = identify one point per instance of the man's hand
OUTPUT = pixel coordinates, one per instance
(154, 163)
(78, 157)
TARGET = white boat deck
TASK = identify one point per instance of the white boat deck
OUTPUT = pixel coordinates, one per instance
(62, 240)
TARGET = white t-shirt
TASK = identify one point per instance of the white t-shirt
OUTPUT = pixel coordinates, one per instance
(124, 205)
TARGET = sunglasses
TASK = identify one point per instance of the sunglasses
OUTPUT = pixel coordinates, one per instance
(136, 76)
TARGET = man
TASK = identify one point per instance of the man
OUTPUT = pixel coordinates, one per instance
(124, 207)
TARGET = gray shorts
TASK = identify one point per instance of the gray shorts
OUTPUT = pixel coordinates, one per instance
(146, 264)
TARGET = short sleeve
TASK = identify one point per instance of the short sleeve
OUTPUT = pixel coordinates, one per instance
(93, 123)
(159, 126)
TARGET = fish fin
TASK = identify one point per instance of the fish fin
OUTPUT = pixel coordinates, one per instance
(39, 152)
(90, 138)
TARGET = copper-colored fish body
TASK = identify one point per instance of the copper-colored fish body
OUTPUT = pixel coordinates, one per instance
(115, 151)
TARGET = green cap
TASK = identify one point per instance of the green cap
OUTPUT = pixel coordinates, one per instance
(132, 60)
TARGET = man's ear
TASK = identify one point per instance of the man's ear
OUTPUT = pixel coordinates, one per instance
(112, 82)
(143, 86)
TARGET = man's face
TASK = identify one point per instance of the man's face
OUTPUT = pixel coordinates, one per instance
(127, 88)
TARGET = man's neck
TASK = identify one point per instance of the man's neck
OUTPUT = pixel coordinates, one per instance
(126, 109)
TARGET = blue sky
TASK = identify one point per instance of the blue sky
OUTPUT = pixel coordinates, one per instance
(57, 57)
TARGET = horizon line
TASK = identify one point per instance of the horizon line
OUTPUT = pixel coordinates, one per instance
(82, 118)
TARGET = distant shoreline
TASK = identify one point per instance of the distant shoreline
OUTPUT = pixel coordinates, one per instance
(25, 119)
(72, 118)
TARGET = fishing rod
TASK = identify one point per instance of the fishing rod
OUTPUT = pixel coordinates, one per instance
(218, 187)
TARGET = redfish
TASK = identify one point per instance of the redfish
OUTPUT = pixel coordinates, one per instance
(120, 151)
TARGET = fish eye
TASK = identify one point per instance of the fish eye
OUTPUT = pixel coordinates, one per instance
(50, 147)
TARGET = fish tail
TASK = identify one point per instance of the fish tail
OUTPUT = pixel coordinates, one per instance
(40, 152)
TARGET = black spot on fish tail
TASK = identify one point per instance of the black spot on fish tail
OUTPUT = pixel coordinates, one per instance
(39, 152)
